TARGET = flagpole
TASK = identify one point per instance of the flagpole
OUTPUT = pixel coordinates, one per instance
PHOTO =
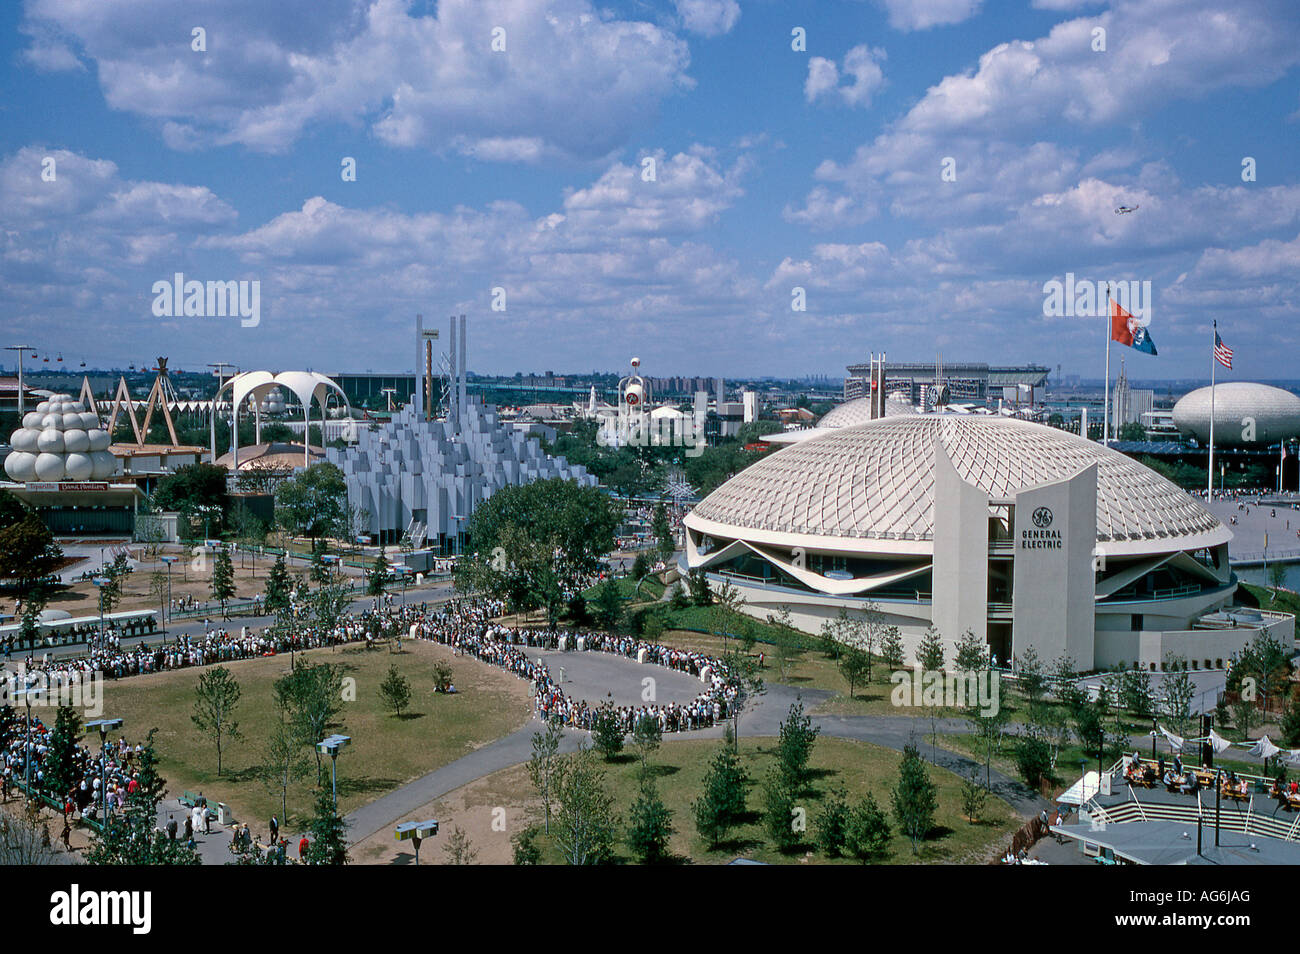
(1105, 427)
(1213, 361)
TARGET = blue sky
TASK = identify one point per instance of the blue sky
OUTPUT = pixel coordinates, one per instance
(775, 169)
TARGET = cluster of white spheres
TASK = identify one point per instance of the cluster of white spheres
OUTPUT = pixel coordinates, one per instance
(274, 403)
(60, 440)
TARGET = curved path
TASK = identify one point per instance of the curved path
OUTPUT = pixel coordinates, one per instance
(762, 717)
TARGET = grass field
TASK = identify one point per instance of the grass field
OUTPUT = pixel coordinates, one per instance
(386, 751)
(679, 766)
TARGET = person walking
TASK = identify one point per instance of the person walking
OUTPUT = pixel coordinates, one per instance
(275, 829)
(171, 827)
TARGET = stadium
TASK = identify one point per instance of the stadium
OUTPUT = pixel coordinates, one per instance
(1023, 534)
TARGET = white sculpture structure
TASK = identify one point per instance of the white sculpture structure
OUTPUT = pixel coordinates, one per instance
(258, 387)
(60, 440)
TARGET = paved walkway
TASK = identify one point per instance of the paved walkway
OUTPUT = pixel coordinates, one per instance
(762, 718)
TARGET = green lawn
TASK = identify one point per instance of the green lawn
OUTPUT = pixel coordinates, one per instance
(857, 767)
(386, 751)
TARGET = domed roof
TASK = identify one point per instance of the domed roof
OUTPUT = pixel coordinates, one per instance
(1274, 414)
(858, 411)
(876, 481)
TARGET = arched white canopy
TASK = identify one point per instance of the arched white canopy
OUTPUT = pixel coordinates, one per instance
(307, 386)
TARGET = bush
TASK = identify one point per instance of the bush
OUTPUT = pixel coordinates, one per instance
(1034, 761)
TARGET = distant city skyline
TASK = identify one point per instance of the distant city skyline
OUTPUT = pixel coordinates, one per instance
(592, 181)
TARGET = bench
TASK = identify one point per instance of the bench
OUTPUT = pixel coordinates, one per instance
(190, 800)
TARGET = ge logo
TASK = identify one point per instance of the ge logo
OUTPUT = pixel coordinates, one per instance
(1042, 517)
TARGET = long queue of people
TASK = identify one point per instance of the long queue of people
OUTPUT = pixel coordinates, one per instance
(467, 626)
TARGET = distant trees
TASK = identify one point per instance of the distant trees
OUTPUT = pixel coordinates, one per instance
(378, 576)
(28, 552)
(535, 542)
(311, 504)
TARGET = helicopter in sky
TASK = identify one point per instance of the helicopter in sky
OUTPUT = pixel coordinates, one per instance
(1127, 208)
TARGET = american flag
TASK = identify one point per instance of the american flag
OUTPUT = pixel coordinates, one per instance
(1222, 353)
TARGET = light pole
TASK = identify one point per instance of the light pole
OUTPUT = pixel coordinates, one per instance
(101, 582)
(415, 832)
(169, 561)
(331, 747)
(19, 349)
(104, 726)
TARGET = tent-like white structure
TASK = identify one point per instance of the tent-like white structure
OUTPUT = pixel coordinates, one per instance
(307, 386)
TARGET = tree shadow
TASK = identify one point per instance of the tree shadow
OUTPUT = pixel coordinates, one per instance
(365, 786)
(403, 858)
(410, 716)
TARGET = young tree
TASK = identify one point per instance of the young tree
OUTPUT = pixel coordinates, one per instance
(311, 697)
(929, 651)
(832, 825)
(1176, 694)
(663, 533)
(279, 587)
(779, 810)
(646, 738)
(61, 774)
(1065, 683)
(458, 849)
(891, 648)
(868, 830)
(722, 803)
(525, 850)
(284, 762)
(607, 731)
(650, 827)
(223, 578)
(698, 584)
(327, 835)
(378, 576)
(395, 691)
(585, 823)
(1035, 760)
(915, 798)
(1290, 726)
(1033, 682)
(855, 666)
(973, 796)
(794, 749)
(442, 676)
(972, 653)
(215, 700)
(544, 764)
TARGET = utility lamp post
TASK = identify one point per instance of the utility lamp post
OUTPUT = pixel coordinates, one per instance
(104, 726)
(169, 560)
(333, 560)
(415, 832)
(101, 582)
(331, 747)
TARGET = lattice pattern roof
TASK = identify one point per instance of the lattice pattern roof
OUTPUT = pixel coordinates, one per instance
(858, 411)
(876, 480)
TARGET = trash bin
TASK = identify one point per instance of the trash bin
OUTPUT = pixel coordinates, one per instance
(224, 815)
